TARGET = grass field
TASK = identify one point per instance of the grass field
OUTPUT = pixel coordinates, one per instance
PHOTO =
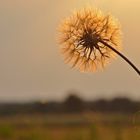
(86, 126)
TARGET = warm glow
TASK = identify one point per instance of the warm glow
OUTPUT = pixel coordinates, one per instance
(82, 35)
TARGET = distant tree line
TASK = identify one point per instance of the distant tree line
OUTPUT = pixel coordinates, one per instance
(72, 104)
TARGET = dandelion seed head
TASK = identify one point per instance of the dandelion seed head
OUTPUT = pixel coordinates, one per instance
(81, 37)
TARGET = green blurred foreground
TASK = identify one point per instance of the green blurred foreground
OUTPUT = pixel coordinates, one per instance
(86, 126)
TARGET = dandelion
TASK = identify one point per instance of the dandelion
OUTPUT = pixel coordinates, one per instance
(90, 39)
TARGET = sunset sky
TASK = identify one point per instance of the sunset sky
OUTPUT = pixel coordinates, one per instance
(32, 67)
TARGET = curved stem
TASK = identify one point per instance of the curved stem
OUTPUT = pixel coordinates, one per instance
(121, 55)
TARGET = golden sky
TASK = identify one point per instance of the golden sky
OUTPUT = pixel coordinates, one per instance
(32, 67)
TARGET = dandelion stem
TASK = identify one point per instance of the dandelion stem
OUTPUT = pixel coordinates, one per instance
(121, 55)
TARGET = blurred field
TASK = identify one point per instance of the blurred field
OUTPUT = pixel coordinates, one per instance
(87, 126)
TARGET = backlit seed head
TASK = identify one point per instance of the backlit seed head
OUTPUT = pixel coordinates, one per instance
(81, 37)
